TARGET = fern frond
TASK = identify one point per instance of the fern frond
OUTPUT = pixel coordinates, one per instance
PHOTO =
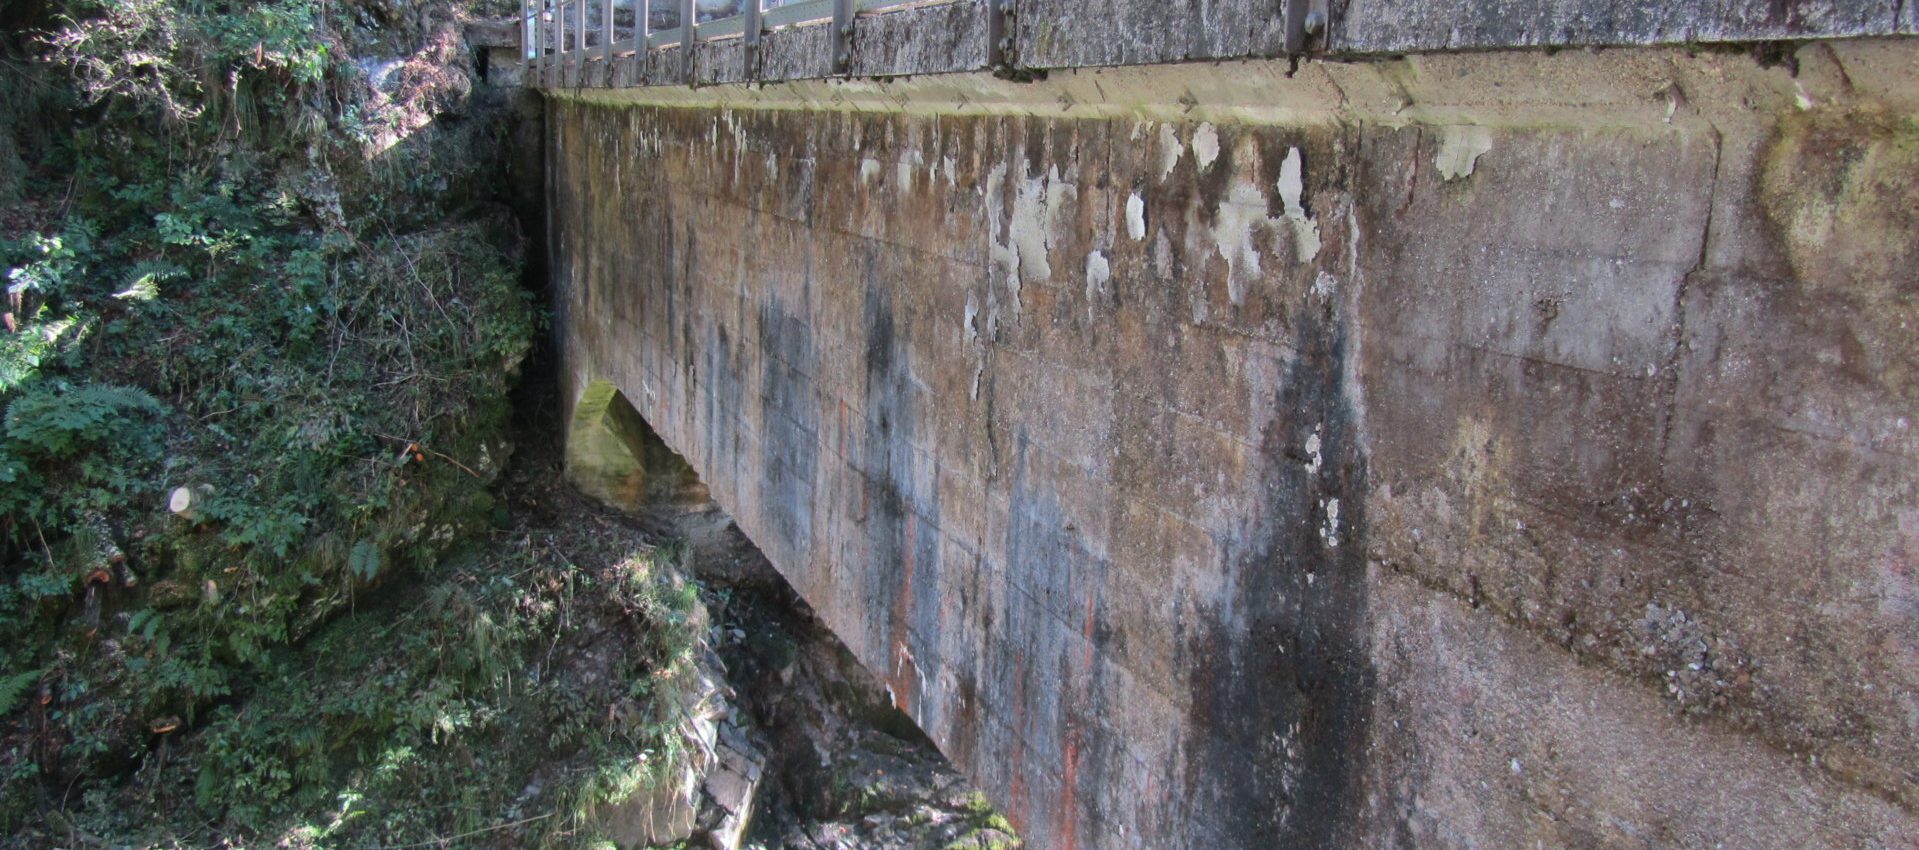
(57, 419)
(13, 687)
(117, 397)
(144, 279)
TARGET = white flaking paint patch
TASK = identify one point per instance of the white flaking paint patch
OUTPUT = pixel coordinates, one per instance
(869, 169)
(969, 329)
(903, 172)
(1136, 216)
(1205, 145)
(1329, 533)
(1004, 254)
(1459, 150)
(1242, 213)
(1027, 232)
(1170, 150)
(952, 171)
(1098, 272)
(1324, 285)
(1312, 452)
(1292, 190)
(1062, 198)
(1292, 184)
(1243, 208)
(1042, 209)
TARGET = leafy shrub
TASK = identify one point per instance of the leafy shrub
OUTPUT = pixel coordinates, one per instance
(55, 421)
(210, 286)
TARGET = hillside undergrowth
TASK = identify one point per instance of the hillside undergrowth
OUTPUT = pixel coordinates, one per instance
(264, 307)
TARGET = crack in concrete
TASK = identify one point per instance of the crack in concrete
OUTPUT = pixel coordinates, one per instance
(1676, 346)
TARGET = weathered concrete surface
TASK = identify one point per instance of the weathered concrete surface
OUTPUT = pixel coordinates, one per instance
(1382, 26)
(1499, 450)
(1071, 33)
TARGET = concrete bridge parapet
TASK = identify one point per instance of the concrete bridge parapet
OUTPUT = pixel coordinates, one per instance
(604, 43)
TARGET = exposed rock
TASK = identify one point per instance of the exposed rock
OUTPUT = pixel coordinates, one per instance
(843, 768)
(794, 744)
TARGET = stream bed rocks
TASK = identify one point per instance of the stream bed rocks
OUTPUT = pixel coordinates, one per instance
(796, 746)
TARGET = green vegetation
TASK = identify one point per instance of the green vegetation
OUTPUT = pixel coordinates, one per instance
(502, 701)
(242, 263)
(985, 829)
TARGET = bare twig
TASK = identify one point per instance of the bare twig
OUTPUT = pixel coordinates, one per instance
(437, 842)
(415, 444)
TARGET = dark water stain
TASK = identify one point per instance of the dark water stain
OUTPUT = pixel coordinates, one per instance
(1035, 133)
(1213, 182)
(901, 523)
(1280, 679)
(789, 445)
(558, 189)
(724, 391)
(1055, 591)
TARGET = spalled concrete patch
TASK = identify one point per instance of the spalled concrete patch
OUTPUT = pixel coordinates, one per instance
(1460, 150)
(1442, 441)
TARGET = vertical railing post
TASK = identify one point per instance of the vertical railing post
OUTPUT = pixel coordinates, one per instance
(999, 36)
(579, 33)
(687, 40)
(559, 33)
(751, 35)
(842, 36)
(606, 30)
(1306, 23)
(641, 12)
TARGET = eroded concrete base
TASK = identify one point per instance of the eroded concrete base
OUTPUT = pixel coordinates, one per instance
(1496, 450)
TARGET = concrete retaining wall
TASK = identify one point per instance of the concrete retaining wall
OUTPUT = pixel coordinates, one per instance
(1499, 450)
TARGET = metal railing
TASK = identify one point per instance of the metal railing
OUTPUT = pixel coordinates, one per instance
(559, 33)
